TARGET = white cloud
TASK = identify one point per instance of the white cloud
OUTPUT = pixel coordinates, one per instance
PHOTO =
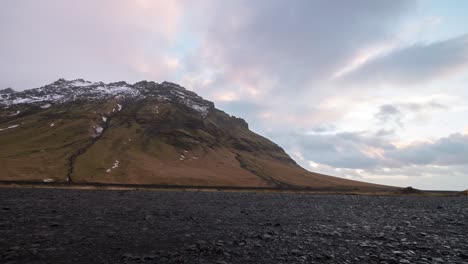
(419, 62)
(103, 40)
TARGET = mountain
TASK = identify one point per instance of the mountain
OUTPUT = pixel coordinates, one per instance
(144, 133)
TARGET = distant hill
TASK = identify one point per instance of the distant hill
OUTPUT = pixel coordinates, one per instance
(143, 133)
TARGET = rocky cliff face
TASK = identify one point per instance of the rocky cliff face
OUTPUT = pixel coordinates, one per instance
(142, 133)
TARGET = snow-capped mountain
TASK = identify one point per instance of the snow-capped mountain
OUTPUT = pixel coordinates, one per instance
(62, 91)
(144, 133)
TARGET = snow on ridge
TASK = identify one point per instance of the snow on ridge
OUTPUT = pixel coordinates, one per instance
(46, 106)
(32, 99)
(9, 127)
(187, 99)
(116, 90)
(62, 91)
(81, 82)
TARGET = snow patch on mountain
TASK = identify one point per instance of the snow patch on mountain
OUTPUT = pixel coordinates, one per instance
(203, 110)
(114, 166)
(97, 131)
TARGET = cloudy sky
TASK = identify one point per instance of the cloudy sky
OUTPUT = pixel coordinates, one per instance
(368, 90)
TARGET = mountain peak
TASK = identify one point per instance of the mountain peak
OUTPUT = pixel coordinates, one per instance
(7, 91)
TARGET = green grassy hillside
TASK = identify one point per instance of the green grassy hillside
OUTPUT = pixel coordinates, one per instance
(145, 141)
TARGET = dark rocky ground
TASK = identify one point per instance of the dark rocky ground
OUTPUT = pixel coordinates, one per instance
(76, 226)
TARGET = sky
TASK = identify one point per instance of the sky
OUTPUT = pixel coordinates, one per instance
(370, 90)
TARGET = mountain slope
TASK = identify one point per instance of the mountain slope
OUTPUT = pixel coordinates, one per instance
(145, 133)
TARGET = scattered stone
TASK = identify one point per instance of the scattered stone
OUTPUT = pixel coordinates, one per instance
(86, 226)
(389, 261)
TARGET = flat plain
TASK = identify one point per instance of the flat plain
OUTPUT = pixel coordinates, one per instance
(95, 226)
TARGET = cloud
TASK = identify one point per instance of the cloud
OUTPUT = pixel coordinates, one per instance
(375, 157)
(281, 56)
(416, 63)
(401, 112)
(323, 128)
(418, 107)
(354, 150)
(421, 177)
(451, 150)
(296, 43)
(389, 112)
(98, 40)
(375, 151)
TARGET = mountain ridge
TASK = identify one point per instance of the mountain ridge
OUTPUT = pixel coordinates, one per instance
(63, 91)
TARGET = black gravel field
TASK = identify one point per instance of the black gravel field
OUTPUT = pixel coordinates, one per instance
(85, 226)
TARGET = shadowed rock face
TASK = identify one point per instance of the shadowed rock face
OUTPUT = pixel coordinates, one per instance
(409, 190)
(6, 91)
(142, 133)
